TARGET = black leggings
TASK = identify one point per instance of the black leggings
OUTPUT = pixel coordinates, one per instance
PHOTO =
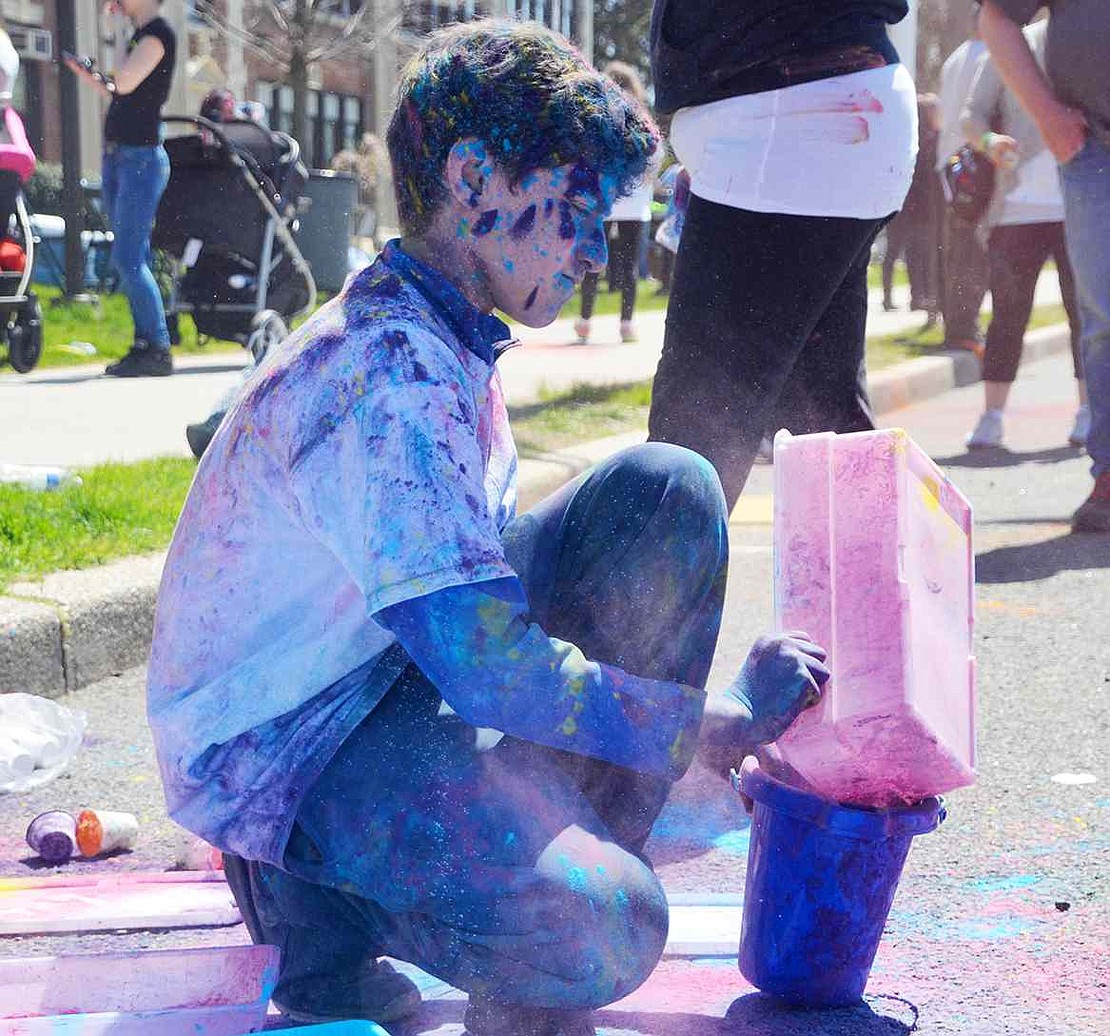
(1017, 255)
(624, 251)
(765, 329)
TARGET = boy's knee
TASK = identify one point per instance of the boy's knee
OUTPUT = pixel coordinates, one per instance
(682, 484)
(685, 506)
(614, 933)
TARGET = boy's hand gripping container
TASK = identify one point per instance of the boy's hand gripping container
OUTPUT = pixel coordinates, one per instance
(873, 559)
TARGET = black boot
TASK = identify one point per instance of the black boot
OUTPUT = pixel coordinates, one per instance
(142, 361)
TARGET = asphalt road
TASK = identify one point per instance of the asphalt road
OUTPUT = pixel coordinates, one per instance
(1002, 920)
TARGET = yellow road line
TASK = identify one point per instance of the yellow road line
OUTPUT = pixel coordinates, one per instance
(753, 510)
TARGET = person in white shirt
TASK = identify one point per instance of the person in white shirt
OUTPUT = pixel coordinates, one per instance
(1025, 227)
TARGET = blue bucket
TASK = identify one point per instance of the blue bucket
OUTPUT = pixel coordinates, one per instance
(821, 878)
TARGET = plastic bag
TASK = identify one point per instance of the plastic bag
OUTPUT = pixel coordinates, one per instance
(38, 741)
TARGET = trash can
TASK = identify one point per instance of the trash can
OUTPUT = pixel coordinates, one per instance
(327, 224)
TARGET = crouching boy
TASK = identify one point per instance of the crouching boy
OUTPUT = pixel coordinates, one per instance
(419, 725)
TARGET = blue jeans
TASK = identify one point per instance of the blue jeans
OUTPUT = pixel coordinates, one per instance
(1086, 183)
(505, 868)
(133, 178)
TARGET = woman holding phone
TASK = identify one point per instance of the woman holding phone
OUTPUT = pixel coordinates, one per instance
(134, 172)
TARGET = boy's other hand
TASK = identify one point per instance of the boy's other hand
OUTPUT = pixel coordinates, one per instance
(782, 676)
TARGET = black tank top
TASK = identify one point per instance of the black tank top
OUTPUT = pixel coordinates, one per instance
(706, 50)
(133, 118)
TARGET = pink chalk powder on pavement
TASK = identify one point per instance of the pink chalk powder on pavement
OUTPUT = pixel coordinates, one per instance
(872, 558)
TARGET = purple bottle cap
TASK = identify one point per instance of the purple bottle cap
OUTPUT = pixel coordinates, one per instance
(53, 835)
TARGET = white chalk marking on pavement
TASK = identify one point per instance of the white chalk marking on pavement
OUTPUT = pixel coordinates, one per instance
(1074, 778)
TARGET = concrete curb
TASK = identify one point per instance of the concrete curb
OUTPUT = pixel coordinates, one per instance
(75, 628)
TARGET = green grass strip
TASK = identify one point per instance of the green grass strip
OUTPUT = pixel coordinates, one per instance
(120, 509)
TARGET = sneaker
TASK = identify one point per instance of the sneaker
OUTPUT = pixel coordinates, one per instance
(628, 331)
(142, 361)
(201, 434)
(582, 330)
(988, 432)
(1094, 514)
(766, 452)
(489, 1018)
(889, 306)
(322, 977)
(1082, 427)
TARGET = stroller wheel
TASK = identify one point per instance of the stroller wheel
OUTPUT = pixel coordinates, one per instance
(25, 337)
(267, 330)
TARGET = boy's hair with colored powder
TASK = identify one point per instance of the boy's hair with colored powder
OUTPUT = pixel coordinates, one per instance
(527, 94)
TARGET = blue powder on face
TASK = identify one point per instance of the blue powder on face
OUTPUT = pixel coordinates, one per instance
(548, 207)
(485, 222)
(566, 221)
(530, 301)
(524, 224)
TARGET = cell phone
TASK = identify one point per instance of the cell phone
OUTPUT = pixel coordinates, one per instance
(88, 64)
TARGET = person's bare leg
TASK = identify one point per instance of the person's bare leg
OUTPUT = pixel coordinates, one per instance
(996, 394)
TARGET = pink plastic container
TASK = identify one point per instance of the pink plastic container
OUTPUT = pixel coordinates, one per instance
(873, 559)
(222, 991)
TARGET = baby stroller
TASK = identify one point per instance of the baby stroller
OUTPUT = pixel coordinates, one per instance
(20, 312)
(227, 218)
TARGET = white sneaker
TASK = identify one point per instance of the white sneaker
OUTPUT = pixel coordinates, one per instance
(988, 432)
(766, 452)
(582, 330)
(1082, 427)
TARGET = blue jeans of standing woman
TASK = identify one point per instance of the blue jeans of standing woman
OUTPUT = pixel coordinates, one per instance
(1086, 183)
(133, 178)
(511, 870)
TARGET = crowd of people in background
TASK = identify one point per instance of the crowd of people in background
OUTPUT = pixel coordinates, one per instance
(1027, 132)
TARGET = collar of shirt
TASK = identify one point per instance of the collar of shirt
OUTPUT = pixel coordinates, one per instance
(482, 333)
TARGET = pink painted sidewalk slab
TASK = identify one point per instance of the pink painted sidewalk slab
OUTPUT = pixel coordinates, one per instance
(222, 991)
(86, 903)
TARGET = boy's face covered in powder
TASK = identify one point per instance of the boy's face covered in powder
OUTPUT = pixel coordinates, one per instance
(535, 240)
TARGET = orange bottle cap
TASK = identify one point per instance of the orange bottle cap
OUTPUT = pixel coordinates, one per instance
(90, 834)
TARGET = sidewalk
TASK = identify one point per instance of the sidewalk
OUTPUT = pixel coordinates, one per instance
(74, 628)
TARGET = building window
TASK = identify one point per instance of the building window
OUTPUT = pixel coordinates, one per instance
(335, 121)
(426, 17)
(352, 122)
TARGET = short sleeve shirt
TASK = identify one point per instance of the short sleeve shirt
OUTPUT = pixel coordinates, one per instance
(1078, 35)
(369, 462)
